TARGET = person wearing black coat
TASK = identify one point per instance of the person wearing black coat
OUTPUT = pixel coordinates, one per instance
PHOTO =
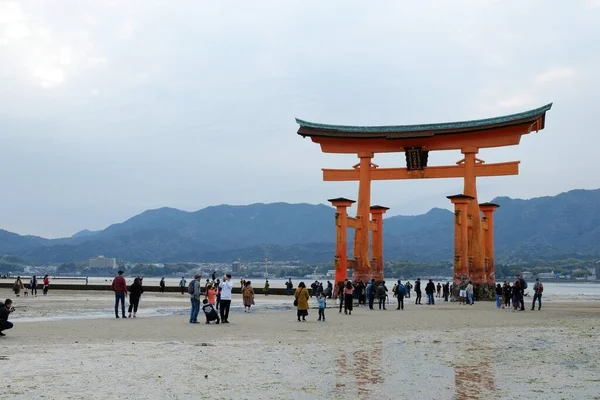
(135, 292)
(430, 291)
(418, 291)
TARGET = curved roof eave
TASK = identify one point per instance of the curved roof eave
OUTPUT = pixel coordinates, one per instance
(438, 127)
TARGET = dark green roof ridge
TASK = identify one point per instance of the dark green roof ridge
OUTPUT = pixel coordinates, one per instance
(428, 127)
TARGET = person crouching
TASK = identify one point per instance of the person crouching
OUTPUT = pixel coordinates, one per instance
(5, 310)
(210, 312)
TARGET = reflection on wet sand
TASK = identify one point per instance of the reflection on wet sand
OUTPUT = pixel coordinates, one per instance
(474, 377)
(364, 365)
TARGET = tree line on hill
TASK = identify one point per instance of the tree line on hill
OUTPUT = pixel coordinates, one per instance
(546, 228)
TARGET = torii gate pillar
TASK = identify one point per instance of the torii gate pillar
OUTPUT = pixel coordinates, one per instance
(377, 243)
(488, 226)
(461, 237)
(341, 237)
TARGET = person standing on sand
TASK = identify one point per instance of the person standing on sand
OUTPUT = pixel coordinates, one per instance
(498, 295)
(446, 291)
(340, 293)
(182, 285)
(302, 297)
(248, 296)
(538, 288)
(348, 298)
(195, 299)
(18, 286)
(46, 282)
(211, 295)
(5, 311)
(214, 275)
(469, 290)
(400, 293)
(225, 287)
(370, 290)
(523, 284)
(135, 292)
(362, 298)
(321, 300)
(507, 291)
(418, 291)
(289, 287)
(218, 287)
(516, 293)
(161, 285)
(33, 285)
(266, 289)
(382, 294)
(430, 292)
(119, 286)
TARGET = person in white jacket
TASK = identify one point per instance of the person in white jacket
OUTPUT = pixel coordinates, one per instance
(226, 287)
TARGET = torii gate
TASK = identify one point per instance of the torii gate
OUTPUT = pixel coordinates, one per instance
(474, 247)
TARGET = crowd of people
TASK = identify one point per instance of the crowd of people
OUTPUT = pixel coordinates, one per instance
(515, 294)
(214, 298)
(19, 287)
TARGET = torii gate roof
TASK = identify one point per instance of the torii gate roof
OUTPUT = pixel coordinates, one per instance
(423, 130)
(490, 132)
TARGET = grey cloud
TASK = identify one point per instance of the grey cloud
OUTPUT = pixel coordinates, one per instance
(192, 103)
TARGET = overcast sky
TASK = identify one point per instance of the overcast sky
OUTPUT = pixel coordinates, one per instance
(109, 108)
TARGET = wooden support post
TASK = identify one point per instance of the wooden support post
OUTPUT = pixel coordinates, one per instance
(461, 237)
(377, 249)
(488, 213)
(341, 237)
(476, 246)
(363, 267)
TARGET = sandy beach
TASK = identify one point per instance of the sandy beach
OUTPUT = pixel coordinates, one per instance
(69, 346)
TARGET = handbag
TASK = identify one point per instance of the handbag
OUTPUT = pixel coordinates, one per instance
(296, 299)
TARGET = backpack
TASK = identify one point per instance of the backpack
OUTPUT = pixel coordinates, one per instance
(191, 286)
(401, 290)
(523, 284)
(380, 291)
(540, 288)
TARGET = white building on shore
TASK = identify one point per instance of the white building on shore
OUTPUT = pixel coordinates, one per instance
(102, 262)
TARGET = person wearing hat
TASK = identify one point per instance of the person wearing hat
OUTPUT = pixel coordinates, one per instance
(119, 286)
(195, 294)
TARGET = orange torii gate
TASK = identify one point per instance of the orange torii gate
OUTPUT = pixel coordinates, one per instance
(474, 247)
(342, 223)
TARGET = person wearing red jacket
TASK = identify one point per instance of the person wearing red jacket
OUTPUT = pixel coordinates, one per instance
(119, 286)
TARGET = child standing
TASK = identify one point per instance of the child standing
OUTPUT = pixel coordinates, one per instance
(211, 294)
(321, 300)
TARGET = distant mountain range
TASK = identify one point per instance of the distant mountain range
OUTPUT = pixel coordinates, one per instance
(566, 225)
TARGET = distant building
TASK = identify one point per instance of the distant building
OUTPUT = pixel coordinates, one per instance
(546, 275)
(235, 267)
(102, 262)
(527, 275)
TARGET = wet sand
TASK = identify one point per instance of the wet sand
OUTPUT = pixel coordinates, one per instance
(445, 352)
